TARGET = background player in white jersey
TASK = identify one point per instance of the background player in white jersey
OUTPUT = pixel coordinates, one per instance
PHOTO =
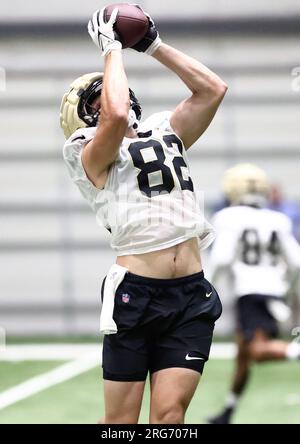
(136, 178)
(257, 246)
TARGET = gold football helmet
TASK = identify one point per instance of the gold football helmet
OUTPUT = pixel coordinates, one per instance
(76, 109)
(244, 183)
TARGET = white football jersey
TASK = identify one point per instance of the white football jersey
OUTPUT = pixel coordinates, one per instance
(258, 247)
(148, 202)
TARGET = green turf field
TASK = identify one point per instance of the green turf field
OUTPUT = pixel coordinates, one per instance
(273, 395)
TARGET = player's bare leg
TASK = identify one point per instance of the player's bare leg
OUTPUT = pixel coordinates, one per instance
(240, 380)
(123, 402)
(242, 367)
(262, 348)
(171, 392)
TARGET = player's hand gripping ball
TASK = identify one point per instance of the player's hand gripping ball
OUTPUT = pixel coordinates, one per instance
(124, 25)
(133, 27)
(131, 23)
(102, 31)
(151, 41)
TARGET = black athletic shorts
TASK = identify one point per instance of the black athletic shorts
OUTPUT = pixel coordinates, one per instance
(253, 314)
(162, 323)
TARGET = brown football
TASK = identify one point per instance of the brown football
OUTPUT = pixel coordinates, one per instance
(131, 25)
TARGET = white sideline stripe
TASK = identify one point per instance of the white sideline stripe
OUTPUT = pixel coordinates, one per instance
(87, 356)
(292, 399)
(48, 352)
(223, 350)
(46, 380)
(65, 352)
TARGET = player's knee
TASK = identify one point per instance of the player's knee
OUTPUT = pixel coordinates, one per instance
(256, 352)
(169, 415)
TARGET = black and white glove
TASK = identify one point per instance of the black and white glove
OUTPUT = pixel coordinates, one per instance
(102, 33)
(151, 42)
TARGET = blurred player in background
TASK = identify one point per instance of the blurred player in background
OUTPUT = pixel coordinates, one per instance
(257, 246)
(136, 178)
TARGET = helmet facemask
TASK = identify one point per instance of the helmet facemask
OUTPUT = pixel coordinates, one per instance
(78, 110)
(86, 111)
(90, 115)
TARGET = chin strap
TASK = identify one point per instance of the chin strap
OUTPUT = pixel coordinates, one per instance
(132, 119)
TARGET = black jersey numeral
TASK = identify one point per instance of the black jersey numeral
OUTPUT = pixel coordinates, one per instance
(178, 162)
(153, 166)
(158, 167)
(274, 248)
(252, 250)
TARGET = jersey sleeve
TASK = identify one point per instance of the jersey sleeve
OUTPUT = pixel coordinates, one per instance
(72, 156)
(289, 245)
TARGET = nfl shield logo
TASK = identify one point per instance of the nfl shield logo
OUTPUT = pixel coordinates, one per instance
(125, 298)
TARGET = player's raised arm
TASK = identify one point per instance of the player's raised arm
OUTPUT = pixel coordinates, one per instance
(101, 152)
(192, 116)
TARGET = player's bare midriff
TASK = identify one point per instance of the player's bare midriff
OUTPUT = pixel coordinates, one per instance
(178, 261)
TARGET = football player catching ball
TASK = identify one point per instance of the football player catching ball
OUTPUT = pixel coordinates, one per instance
(158, 312)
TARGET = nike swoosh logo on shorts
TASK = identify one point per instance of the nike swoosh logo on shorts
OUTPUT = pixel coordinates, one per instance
(208, 295)
(189, 358)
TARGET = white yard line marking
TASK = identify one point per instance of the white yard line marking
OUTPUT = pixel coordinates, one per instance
(48, 352)
(46, 380)
(65, 352)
